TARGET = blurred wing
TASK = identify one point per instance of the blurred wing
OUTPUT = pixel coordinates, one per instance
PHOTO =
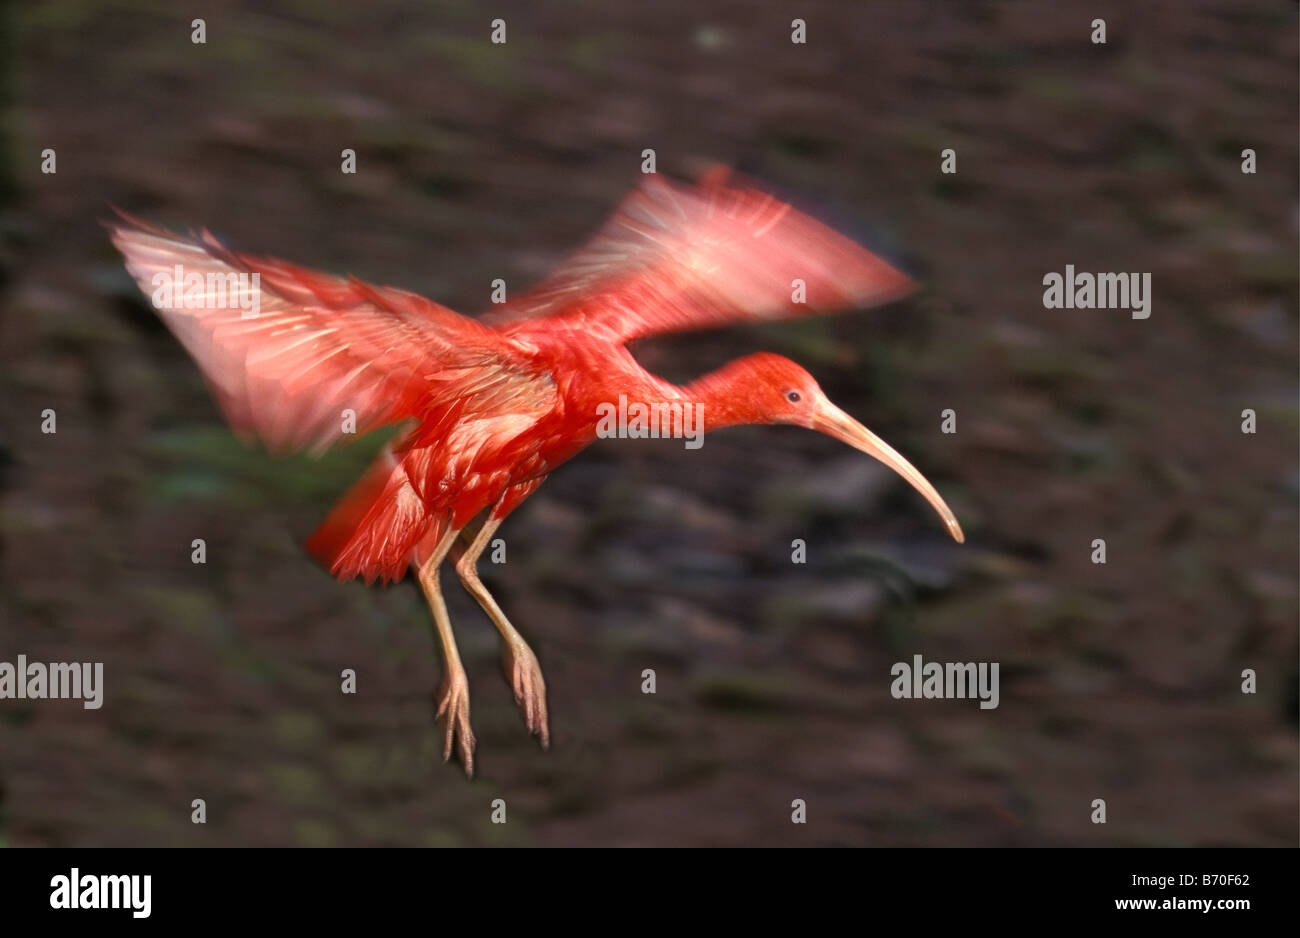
(676, 257)
(288, 350)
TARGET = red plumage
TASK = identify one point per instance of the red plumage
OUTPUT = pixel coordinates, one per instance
(494, 404)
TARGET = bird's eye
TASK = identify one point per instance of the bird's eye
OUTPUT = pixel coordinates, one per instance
(793, 397)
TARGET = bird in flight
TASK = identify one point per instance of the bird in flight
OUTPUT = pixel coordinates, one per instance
(304, 360)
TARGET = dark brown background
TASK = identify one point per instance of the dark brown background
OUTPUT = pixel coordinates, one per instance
(479, 161)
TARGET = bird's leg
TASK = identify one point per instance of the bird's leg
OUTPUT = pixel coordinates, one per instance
(521, 667)
(453, 698)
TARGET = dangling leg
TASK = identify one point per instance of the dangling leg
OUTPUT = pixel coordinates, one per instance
(453, 698)
(521, 667)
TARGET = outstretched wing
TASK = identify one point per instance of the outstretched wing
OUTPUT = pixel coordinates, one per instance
(288, 351)
(676, 257)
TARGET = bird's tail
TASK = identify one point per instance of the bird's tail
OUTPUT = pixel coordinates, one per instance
(376, 529)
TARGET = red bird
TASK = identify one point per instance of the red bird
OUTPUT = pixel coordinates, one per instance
(302, 360)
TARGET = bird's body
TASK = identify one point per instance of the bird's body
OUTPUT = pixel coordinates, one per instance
(490, 406)
(483, 450)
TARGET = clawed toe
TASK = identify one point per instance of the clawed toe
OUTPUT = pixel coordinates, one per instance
(530, 691)
(453, 704)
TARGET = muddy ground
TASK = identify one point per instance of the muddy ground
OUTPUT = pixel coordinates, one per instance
(1119, 681)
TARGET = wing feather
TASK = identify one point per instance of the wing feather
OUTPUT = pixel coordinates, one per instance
(318, 345)
(676, 257)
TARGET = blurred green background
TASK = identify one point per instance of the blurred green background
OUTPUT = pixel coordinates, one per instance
(478, 161)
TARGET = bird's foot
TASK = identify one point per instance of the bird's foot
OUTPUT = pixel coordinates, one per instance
(525, 676)
(453, 702)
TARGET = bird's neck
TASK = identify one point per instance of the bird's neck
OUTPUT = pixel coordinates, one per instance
(715, 400)
(721, 402)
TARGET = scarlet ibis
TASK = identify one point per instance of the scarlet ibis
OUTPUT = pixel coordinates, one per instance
(304, 360)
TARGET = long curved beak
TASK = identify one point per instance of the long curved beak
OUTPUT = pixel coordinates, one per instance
(834, 422)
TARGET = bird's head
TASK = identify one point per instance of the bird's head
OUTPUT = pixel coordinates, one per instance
(776, 390)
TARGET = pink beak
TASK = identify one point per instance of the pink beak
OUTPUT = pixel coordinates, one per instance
(834, 422)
